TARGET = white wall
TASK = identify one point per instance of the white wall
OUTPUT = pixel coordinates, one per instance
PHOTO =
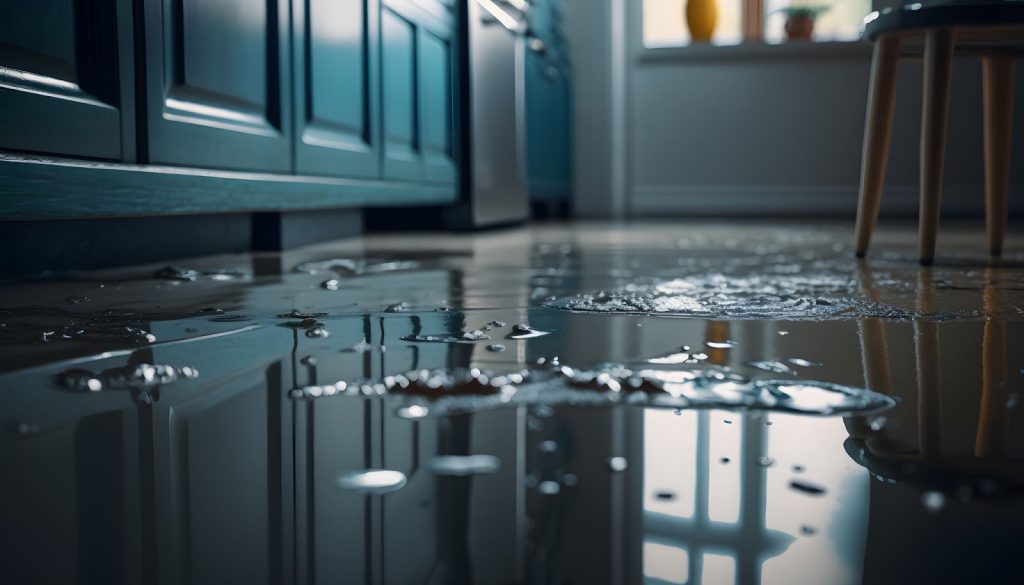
(751, 132)
(782, 134)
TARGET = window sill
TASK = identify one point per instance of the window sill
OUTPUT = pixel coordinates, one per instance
(756, 52)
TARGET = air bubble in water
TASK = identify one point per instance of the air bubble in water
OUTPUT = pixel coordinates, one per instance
(548, 488)
(728, 344)
(764, 461)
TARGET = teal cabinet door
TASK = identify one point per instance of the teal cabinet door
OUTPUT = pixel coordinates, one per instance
(218, 84)
(336, 87)
(60, 68)
(417, 88)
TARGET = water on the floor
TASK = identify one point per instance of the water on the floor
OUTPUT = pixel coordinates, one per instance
(649, 404)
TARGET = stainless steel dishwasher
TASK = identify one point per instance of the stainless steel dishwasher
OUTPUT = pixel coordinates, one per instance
(495, 175)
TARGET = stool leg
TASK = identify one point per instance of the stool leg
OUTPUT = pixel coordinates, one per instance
(938, 69)
(998, 80)
(877, 131)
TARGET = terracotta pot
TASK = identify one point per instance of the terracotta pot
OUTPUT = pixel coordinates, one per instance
(799, 28)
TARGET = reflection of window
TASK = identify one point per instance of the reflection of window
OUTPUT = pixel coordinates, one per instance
(664, 21)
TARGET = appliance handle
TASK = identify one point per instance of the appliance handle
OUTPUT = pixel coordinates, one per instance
(506, 19)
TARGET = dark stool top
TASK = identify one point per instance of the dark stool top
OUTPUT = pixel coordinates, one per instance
(958, 14)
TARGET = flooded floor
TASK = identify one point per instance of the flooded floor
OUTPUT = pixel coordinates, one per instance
(664, 403)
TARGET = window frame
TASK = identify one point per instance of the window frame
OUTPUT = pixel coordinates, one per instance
(753, 45)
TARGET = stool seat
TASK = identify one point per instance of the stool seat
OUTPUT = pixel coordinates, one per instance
(991, 29)
(982, 15)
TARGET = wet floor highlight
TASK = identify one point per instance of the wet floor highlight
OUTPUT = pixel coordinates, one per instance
(669, 404)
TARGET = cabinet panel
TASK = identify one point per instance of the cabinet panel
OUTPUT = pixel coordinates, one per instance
(335, 63)
(435, 67)
(59, 69)
(218, 83)
(400, 107)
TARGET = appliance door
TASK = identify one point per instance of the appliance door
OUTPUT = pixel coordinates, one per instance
(498, 187)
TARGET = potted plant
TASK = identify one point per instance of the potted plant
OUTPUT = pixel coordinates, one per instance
(800, 21)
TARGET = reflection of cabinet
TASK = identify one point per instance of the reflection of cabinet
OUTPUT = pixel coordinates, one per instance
(69, 499)
(60, 64)
(221, 456)
(417, 92)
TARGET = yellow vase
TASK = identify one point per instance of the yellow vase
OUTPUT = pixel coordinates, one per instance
(701, 17)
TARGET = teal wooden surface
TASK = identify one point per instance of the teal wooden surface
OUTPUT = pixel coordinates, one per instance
(60, 63)
(219, 85)
(336, 61)
(38, 188)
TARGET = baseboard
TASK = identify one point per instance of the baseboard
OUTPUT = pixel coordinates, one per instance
(776, 200)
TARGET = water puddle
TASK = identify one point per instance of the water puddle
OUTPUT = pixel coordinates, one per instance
(765, 296)
(461, 390)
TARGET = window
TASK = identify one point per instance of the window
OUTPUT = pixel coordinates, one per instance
(664, 21)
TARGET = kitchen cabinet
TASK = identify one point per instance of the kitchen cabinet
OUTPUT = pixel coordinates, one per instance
(336, 60)
(417, 92)
(218, 93)
(66, 77)
(243, 105)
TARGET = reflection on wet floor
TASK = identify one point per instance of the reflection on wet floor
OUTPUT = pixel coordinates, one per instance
(648, 404)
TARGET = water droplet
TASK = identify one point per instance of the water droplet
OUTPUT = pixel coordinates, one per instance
(764, 461)
(728, 344)
(877, 423)
(617, 464)
(319, 331)
(807, 487)
(549, 488)
(665, 495)
(331, 284)
(783, 333)
(137, 377)
(727, 421)
(724, 460)
(464, 337)
(465, 465)
(372, 481)
(397, 308)
(807, 530)
(570, 479)
(547, 446)
(933, 501)
(442, 309)
(496, 347)
(798, 468)
(496, 324)
(412, 412)
(773, 366)
(801, 362)
(1012, 400)
(176, 273)
(524, 331)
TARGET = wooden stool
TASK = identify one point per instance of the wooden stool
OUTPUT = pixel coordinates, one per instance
(993, 30)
